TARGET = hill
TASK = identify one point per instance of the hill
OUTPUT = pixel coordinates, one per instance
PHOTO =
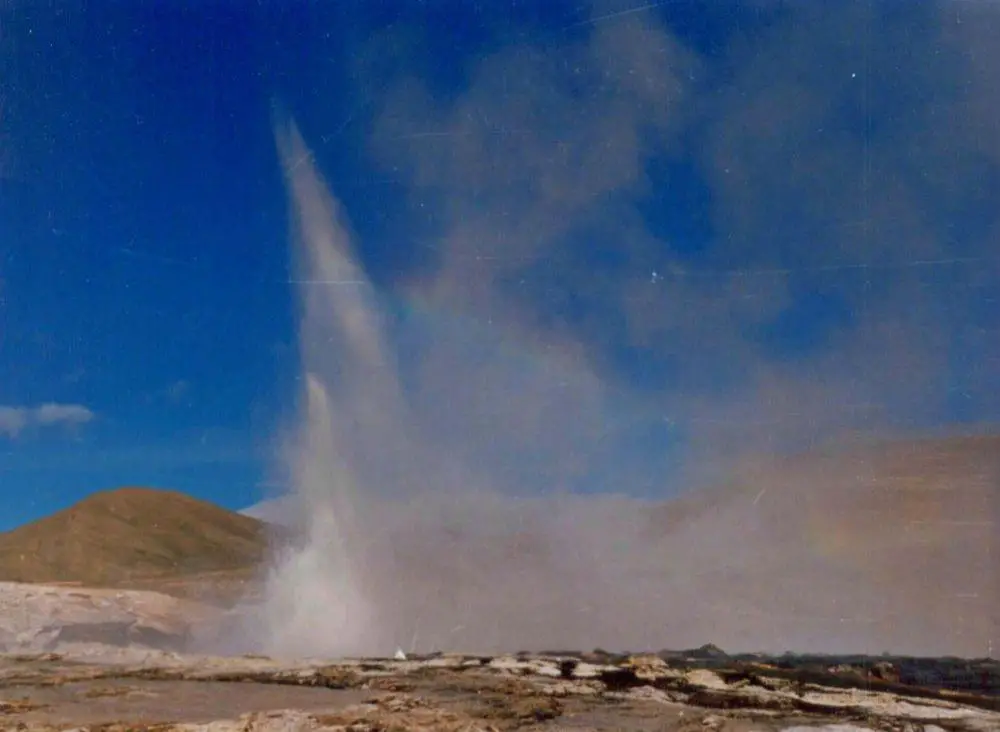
(131, 535)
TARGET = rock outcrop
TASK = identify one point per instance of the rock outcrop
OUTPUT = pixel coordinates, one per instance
(46, 617)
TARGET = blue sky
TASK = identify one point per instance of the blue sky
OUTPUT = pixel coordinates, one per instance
(731, 214)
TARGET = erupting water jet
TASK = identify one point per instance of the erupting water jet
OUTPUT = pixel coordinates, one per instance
(319, 583)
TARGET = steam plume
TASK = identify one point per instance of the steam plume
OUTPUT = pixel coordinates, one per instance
(448, 496)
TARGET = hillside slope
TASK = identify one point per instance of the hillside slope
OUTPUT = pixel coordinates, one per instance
(130, 534)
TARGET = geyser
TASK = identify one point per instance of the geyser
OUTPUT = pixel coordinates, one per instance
(317, 584)
(450, 515)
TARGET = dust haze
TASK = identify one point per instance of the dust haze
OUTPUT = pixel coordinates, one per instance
(490, 447)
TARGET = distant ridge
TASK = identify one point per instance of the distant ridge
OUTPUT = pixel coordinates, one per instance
(128, 534)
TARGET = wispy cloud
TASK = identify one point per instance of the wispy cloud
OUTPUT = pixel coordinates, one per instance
(15, 420)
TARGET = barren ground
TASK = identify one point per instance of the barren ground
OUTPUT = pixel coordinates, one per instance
(128, 689)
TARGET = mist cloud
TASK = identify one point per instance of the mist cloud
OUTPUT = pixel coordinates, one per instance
(483, 464)
(15, 420)
(853, 207)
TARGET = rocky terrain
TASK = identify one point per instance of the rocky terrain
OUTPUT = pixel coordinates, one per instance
(105, 659)
(149, 690)
(38, 618)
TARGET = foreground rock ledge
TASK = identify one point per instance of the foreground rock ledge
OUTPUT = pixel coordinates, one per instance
(128, 689)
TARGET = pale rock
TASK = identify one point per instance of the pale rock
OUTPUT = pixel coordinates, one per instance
(705, 678)
(50, 617)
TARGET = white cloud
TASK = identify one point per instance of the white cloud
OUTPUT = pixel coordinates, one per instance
(14, 420)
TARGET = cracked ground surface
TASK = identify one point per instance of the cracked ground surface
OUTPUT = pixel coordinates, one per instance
(145, 690)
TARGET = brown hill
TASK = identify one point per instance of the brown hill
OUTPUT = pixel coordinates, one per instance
(126, 535)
